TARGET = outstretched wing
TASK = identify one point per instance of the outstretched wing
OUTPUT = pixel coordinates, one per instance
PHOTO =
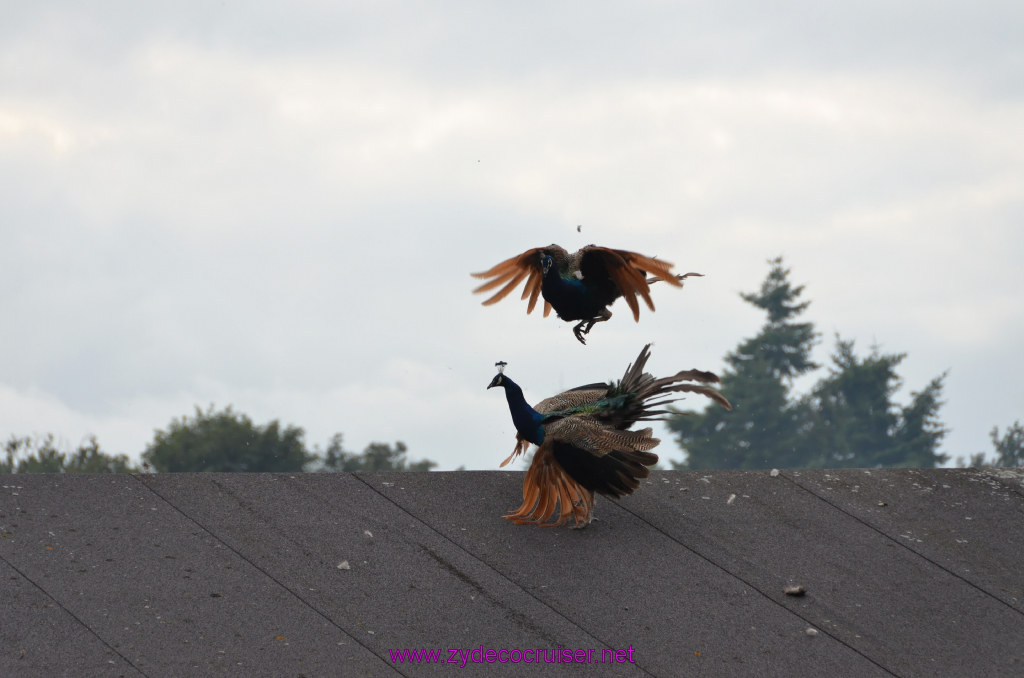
(511, 272)
(621, 272)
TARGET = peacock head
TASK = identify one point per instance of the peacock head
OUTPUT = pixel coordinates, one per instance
(499, 378)
(545, 262)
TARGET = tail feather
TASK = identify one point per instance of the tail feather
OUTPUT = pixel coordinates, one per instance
(648, 413)
(680, 278)
(634, 375)
(649, 394)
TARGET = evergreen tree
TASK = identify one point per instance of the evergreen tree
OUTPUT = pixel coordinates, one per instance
(763, 428)
(853, 422)
(848, 420)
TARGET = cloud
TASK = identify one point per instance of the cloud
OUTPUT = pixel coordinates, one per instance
(279, 207)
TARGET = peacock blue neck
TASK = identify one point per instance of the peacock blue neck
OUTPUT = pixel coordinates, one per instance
(526, 419)
(555, 282)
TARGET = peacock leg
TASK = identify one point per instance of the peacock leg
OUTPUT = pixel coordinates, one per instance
(590, 514)
(579, 330)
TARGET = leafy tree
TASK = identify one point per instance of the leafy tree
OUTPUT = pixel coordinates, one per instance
(28, 455)
(763, 428)
(376, 457)
(226, 441)
(854, 423)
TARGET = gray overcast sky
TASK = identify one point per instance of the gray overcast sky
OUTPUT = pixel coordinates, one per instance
(277, 205)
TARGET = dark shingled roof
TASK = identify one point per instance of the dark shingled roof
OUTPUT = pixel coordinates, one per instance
(906, 573)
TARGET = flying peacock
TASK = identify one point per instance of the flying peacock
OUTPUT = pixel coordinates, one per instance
(582, 285)
(584, 440)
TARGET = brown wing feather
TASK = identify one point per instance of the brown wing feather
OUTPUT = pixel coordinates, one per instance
(501, 277)
(548, 491)
(577, 501)
(531, 491)
(532, 289)
(514, 270)
(628, 271)
(549, 496)
(513, 282)
(500, 273)
(521, 446)
(660, 269)
(512, 262)
(510, 273)
(629, 286)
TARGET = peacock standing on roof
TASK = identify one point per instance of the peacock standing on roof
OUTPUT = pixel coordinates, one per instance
(582, 285)
(584, 440)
